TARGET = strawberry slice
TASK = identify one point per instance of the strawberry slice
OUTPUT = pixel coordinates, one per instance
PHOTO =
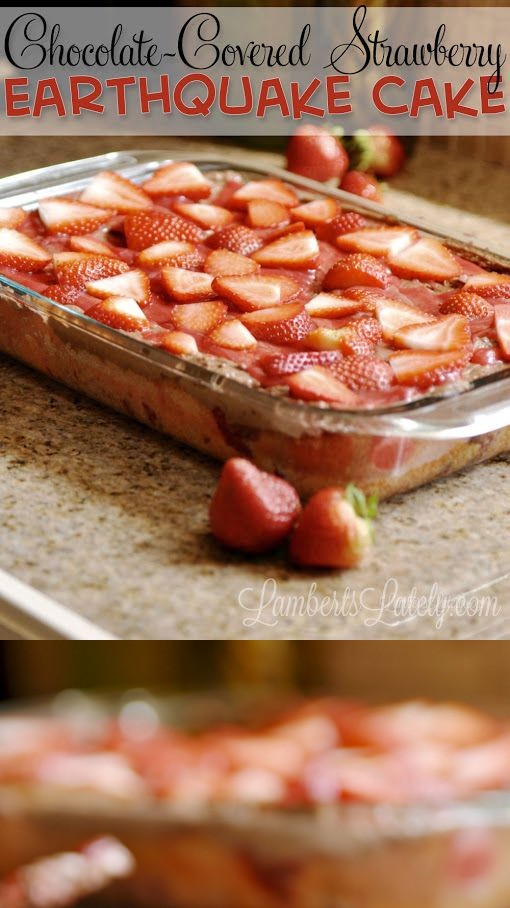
(178, 342)
(236, 238)
(364, 373)
(357, 270)
(133, 284)
(119, 312)
(199, 318)
(116, 193)
(210, 217)
(345, 222)
(178, 178)
(315, 212)
(502, 315)
(71, 216)
(285, 324)
(347, 340)
(91, 245)
(366, 298)
(271, 190)
(378, 241)
(252, 511)
(255, 291)
(491, 285)
(263, 213)
(318, 383)
(75, 269)
(427, 260)
(21, 252)
(190, 261)
(334, 530)
(12, 217)
(65, 295)
(469, 304)
(233, 335)
(289, 363)
(394, 315)
(424, 368)
(187, 286)
(449, 332)
(331, 305)
(164, 253)
(146, 228)
(223, 262)
(294, 250)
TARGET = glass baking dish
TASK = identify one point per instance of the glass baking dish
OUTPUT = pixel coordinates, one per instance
(214, 408)
(436, 855)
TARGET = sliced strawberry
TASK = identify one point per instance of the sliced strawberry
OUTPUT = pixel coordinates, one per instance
(116, 193)
(318, 383)
(199, 318)
(21, 252)
(178, 178)
(75, 269)
(469, 304)
(285, 324)
(187, 286)
(346, 340)
(236, 238)
(233, 335)
(427, 260)
(295, 250)
(491, 285)
(150, 227)
(331, 305)
(190, 261)
(210, 217)
(364, 373)
(255, 291)
(289, 363)
(223, 262)
(366, 298)
(71, 216)
(271, 190)
(502, 315)
(344, 222)
(423, 368)
(91, 245)
(330, 533)
(378, 241)
(355, 270)
(252, 511)
(394, 315)
(65, 295)
(315, 212)
(12, 217)
(449, 332)
(487, 356)
(164, 253)
(178, 342)
(132, 284)
(263, 213)
(366, 327)
(119, 312)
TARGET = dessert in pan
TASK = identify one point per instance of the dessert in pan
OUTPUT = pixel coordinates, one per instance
(326, 312)
(325, 802)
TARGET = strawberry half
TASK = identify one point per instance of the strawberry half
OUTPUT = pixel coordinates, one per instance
(223, 262)
(331, 533)
(449, 332)
(285, 324)
(491, 285)
(355, 270)
(210, 217)
(236, 238)
(164, 253)
(255, 291)
(318, 383)
(187, 286)
(346, 222)
(21, 252)
(502, 315)
(427, 260)
(198, 318)
(295, 250)
(178, 342)
(331, 305)
(91, 245)
(71, 216)
(469, 304)
(120, 312)
(178, 178)
(262, 213)
(116, 193)
(424, 369)
(233, 335)
(316, 154)
(75, 269)
(289, 363)
(131, 284)
(252, 511)
(271, 190)
(145, 229)
(364, 373)
(393, 315)
(315, 212)
(12, 217)
(378, 241)
(347, 340)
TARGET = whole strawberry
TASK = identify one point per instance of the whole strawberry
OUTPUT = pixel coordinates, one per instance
(377, 150)
(314, 153)
(252, 511)
(334, 529)
(363, 184)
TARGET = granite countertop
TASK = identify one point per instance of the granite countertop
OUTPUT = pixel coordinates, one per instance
(110, 518)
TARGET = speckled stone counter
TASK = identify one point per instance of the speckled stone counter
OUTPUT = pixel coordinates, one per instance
(110, 518)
